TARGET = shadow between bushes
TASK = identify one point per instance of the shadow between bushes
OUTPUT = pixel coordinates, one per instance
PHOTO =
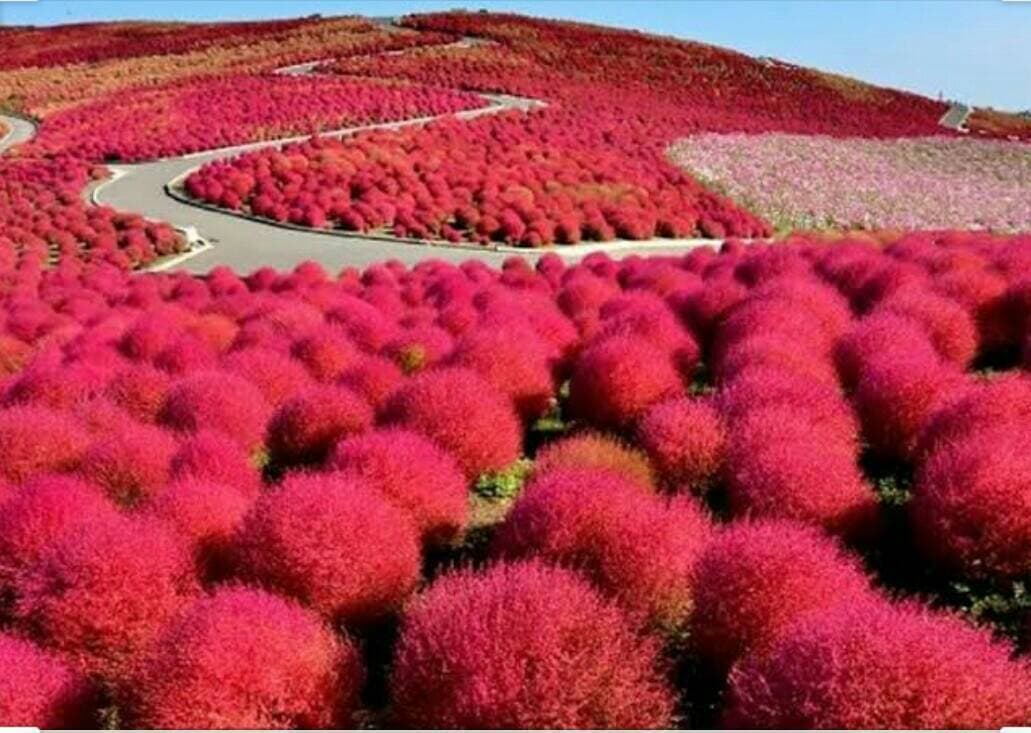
(1000, 606)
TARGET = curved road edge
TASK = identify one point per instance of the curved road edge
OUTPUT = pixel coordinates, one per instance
(21, 130)
(219, 237)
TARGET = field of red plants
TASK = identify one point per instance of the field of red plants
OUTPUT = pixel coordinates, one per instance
(43, 219)
(761, 484)
(685, 490)
(95, 42)
(63, 79)
(214, 112)
(592, 165)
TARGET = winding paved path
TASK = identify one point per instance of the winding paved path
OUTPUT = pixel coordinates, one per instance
(245, 244)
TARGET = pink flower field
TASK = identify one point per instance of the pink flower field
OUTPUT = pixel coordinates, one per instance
(820, 182)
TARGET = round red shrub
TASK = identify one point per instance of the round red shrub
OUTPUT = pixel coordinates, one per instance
(334, 543)
(895, 399)
(686, 442)
(306, 426)
(206, 513)
(39, 512)
(645, 315)
(773, 351)
(216, 458)
(130, 463)
(375, 378)
(14, 354)
(597, 452)
(325, 353)
(782, 464)
(950, 328)
(220, 401)
(617, 379)
(983, 294)
(35, 440)
(1003, 399)
(244, 658)
(152, 332)
(511, 357)
(760, 387)
(39, 690)
(140, 390)
(704, 308)
(629, 543)
(216, 330)
(526, 646)
(756, 578)
(880, 335)
(817, 299)
(187, 353)
(276, 374)
(970, 502)
(461, 412)
(57, 386)
(103, 590)
(419, 348)
(413, 473)
(877, 666)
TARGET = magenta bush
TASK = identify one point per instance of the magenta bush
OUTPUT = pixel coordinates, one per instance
(332, 542)
(244, 658)
(873, 665)
(514, 636)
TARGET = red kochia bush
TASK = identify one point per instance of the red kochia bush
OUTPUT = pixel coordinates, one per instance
(39, 513)
(761, 387)
(1003, 399)
(511, 357)
(628, 542)
(102, 591)
(375, 378)
(244, 658)
(617, 379)
(206, 513)
(880, 335)
(140, 390)
(463, 414)
(219, 401)
(596, 452)
(333, 543)
(130, 463)
(57, 386)
(325, 353)
(755, 578)
(686, 442)
(277, 375)
(950, 328)
(873, 665)
(39, 690)
(306, 426)
(412, 473)
(525, 646)
(971, 500)
(36, 440)
(215, 457)
(646, 316)
(783, 463)
(896, 398)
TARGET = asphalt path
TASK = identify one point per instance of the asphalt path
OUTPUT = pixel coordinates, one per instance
(222, 238)
(246, 244)
(19, 131)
